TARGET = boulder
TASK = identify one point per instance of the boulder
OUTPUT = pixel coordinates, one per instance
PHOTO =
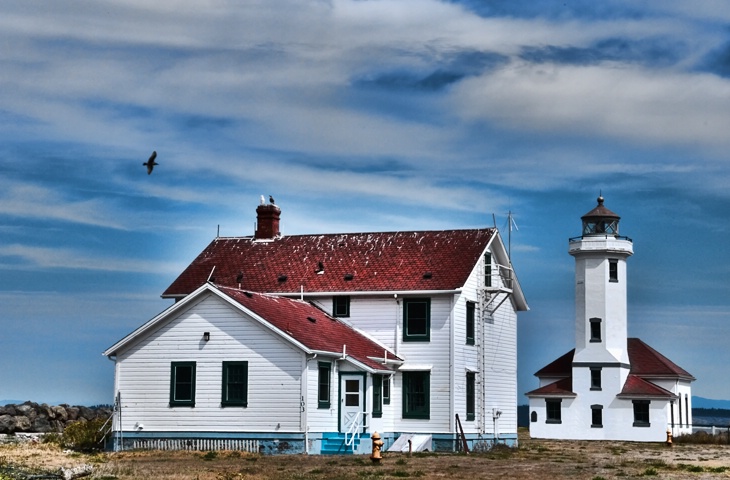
(22, 423)
(7, 424)
(59, 413)
(41, 424)
(73, 413)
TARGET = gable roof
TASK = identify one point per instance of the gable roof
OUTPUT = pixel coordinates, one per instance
(341, 263)
(297, 321)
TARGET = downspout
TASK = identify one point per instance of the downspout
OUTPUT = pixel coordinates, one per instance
(395, 330)
(452, 367)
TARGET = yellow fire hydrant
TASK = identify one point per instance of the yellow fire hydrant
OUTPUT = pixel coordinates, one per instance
(669, 438)
(377, 446)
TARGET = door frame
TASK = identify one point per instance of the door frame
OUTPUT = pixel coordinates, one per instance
(340, 395)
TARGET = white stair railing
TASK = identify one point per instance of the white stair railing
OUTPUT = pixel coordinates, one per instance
(353, 432)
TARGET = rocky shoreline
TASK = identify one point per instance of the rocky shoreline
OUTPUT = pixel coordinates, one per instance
(30, 417)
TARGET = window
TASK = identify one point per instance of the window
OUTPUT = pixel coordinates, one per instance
(641, 413)
(341, 306)
(612, 270)
(595, 329)
(417, 320)
(377, 396)
(595, 378)
(386, 390)
(470, 395)
(533, 416)
(680, 411)
(686, 409)
(182, 384)
(552, 411)
(487, 269)
(416, 395)
(470, 308)
(323, 382)
(596, 416)
(235, 384)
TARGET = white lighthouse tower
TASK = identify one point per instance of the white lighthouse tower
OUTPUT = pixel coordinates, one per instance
(600, 290)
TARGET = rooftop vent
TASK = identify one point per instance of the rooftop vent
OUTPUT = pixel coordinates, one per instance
(427, 275)
(348, 276)
(312, 319)
(282, 278)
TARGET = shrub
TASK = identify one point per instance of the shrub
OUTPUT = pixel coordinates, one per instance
(85, 436)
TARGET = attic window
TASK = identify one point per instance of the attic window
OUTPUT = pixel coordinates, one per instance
(348, 276)
(427, 275)
(312, 319)
(282, 278)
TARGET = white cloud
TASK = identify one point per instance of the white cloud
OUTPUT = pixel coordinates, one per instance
(42, 257)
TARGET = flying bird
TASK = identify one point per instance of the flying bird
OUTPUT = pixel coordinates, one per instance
(271, 199)
(150, 164)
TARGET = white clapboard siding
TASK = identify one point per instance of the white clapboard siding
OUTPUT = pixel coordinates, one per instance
(322, 419)
(274, 374)
(497, 370)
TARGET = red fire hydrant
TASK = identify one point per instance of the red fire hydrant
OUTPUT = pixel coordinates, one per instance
(377, 446)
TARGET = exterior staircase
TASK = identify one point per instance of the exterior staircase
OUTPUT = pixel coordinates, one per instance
(333, 443)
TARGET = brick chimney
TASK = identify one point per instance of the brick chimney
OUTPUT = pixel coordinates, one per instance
(267, 221)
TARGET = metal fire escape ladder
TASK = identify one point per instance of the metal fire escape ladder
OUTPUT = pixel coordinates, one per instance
(498, 288)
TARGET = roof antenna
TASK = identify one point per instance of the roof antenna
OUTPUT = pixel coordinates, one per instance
(218, 234)
(494, 220)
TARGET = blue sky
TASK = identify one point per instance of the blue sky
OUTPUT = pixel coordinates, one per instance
(356, 116)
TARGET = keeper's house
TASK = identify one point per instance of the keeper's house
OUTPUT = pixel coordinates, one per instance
(310, 343)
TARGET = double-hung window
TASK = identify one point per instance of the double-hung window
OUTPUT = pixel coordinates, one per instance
(235, 384)
(417, 320)
(182, 384)
(416, 392)
(552, 411)
(595, 330)
(470, 395)
(470, 310)
(377, 396)
(595, 378)
(341, 306)
(323, 382)
(596, 416)
(612, 270)
(641, 413)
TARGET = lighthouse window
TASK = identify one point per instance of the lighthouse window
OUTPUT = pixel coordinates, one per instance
(612, 270)
(595, 329)
(595, 378)
(552, 411)
(596, 416)
(641, 413)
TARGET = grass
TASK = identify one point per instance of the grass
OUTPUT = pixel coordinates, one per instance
(596, 460)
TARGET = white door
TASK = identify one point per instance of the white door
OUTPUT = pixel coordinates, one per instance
(351, 400)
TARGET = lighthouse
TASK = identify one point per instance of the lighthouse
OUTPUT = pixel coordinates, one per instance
(610, 386)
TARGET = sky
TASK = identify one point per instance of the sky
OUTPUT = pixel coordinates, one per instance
(356, 116)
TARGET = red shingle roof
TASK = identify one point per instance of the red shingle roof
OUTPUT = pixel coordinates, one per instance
(311, 326)
(561, 388)
(646, 363)
(636, 386)
(562, 367)
(368, 262)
